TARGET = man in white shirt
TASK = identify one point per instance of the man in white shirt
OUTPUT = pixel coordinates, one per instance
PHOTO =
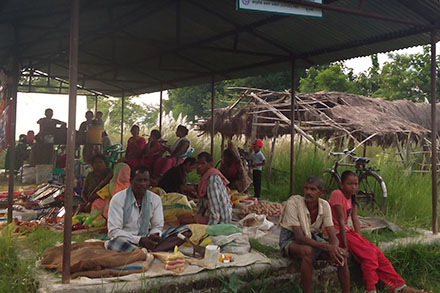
(135, 217)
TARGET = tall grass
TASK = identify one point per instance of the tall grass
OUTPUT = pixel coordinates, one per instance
(418, 265)
(409, 194)
(15, 273)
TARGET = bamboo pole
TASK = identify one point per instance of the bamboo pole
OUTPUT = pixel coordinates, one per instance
(68, 195)
(160, 110)
(122, 118)
(212, 114)
(13, 117)
(287, 121)
(292, 126)
(96, 103)
(269, 165)
(434, 133)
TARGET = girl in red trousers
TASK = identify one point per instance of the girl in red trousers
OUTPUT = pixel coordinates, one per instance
(375, 266)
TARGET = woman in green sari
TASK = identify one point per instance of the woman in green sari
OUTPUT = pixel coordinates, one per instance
(95, 180)
(119, 182)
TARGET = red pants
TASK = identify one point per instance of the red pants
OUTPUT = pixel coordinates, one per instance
(375, 266)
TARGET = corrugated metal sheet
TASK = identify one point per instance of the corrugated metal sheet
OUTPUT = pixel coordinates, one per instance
(136, 46)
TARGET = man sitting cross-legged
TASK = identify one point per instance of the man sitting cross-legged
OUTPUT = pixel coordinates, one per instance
(301, 222)
(214, 204)
(135, 218)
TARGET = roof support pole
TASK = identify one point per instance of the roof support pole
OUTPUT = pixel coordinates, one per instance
(160, 110)
(178, 22)
(122, 118)
(292, 126)
(96, 104)
(68, 195)
(13, 119)
(434, 133)
(212, 115)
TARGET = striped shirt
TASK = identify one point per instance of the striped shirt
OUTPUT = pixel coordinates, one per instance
(220, 209)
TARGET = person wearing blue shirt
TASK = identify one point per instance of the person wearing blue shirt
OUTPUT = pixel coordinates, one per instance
(257, 162)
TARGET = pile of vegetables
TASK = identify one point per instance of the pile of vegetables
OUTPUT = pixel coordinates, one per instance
(264, 208)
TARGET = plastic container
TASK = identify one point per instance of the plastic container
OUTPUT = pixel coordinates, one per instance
(43, 173)
(212, 253)
(29, 175)
(94, 134)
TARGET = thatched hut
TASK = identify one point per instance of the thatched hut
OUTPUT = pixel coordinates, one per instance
(328, 115)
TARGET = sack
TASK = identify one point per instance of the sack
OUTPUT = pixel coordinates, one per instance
(258, 221)
(237, 243)
(198, 234)
(222, 229)
(174, 206)
(255, 226)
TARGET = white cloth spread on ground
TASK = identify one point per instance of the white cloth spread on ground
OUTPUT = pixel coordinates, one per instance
(130, 230)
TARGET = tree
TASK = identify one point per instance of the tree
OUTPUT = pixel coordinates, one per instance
(367, 83)
(407, 77)
(135, 112)
(196, 100)
(327, 78)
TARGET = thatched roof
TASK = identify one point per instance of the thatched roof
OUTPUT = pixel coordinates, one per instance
(324, 114)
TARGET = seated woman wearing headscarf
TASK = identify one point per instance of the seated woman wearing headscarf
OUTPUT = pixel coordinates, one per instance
(152, 150)
(232, 168)
(119, 182)
(180, 147)
(135, 146)
(95, 180)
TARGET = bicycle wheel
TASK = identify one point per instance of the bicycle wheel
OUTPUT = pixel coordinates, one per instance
(372, 191)
(331, 181)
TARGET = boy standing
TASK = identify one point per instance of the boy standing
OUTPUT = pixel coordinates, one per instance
(257, 162)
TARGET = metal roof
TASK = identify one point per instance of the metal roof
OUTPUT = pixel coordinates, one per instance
(139, 46)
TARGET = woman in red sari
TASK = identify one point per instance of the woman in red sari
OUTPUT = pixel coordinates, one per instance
(135, 146)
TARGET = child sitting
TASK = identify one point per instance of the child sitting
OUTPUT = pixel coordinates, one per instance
(375, 266)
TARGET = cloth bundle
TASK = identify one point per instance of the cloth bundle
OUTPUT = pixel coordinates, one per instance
(92, 260)
(175, 205)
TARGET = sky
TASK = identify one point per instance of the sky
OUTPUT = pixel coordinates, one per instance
(30, 107)
(363, 63)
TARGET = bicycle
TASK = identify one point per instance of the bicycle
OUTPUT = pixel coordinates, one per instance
(372, 188)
